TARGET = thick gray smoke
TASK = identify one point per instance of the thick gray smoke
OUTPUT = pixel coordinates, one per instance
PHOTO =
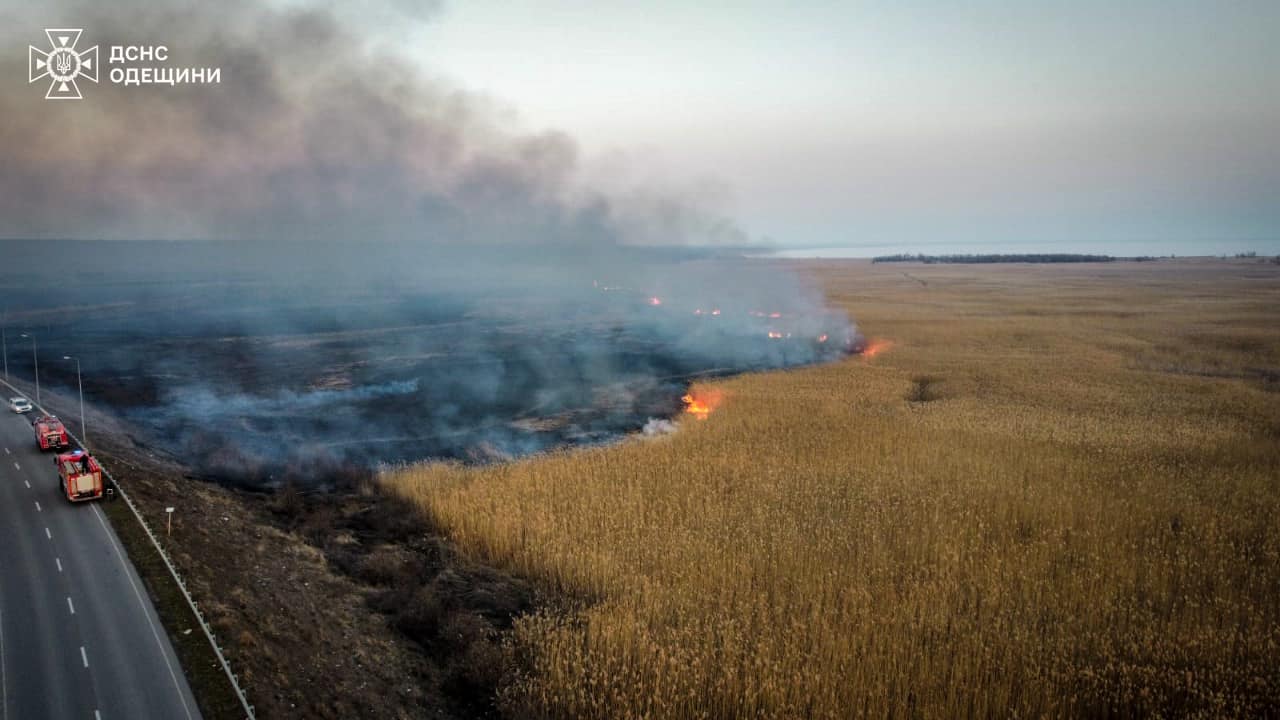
(391, 271)
(319, 129)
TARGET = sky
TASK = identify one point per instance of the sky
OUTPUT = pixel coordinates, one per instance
(1152, 126)
(883, 122)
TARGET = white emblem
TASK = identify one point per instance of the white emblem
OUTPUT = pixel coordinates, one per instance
(63, 64)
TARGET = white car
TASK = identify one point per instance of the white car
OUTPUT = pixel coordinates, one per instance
(19, 404)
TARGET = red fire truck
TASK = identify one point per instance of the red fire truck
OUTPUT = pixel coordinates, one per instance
(79, 475)
(50, 434)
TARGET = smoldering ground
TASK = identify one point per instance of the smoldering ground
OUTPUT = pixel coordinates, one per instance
(389, 267)
(298, 365)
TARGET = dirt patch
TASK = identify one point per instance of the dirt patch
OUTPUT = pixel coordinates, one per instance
(925, 388)
(452, 609)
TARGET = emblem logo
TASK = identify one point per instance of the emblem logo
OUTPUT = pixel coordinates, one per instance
(63, 64)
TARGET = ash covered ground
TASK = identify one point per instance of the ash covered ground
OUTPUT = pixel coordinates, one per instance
(261, 365)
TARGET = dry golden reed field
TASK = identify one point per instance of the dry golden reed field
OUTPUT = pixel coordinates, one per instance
(1056, 494)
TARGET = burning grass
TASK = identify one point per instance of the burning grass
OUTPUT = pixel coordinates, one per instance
(702, 401)
(1074, 527)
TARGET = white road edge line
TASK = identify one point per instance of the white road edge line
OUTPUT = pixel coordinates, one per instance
(154, 633)
(70, 605)
(84, 657)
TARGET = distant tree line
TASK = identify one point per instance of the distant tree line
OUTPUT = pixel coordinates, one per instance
(1252, 254)
(1015, 258)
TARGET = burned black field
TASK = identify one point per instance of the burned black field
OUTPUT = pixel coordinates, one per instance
(258, 376)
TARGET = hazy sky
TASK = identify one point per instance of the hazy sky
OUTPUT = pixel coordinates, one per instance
(889, 121)
(1140, 125)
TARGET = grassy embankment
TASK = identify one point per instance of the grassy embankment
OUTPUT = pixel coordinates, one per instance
(209, 683)
(1056, 494)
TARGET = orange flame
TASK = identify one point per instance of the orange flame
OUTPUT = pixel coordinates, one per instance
(875, 347)
(701, 403)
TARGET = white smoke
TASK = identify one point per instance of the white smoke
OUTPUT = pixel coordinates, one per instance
(658, 427)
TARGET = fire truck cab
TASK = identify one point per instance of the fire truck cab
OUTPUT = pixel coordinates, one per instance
(50, 433)
(79, 475)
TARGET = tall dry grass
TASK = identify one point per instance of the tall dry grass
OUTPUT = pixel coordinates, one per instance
(1056, 495)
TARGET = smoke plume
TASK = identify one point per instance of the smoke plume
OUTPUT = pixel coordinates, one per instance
(320, 129)
(389, 268)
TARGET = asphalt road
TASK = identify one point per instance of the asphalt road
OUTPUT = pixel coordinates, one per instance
(79, 637)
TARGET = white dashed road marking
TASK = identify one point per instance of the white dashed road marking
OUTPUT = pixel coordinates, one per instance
(16, 466)
(71, 606)
(48, 534)
(38, 509)
(59, 561)
(84, 657)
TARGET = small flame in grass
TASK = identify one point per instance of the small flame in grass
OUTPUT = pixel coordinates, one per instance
(876, 346)
(822, 338)
(775, 335)
(715, 311)
(655, 300)
(701, 403)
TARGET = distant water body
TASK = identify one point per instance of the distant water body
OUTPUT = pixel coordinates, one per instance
(1127, 249)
